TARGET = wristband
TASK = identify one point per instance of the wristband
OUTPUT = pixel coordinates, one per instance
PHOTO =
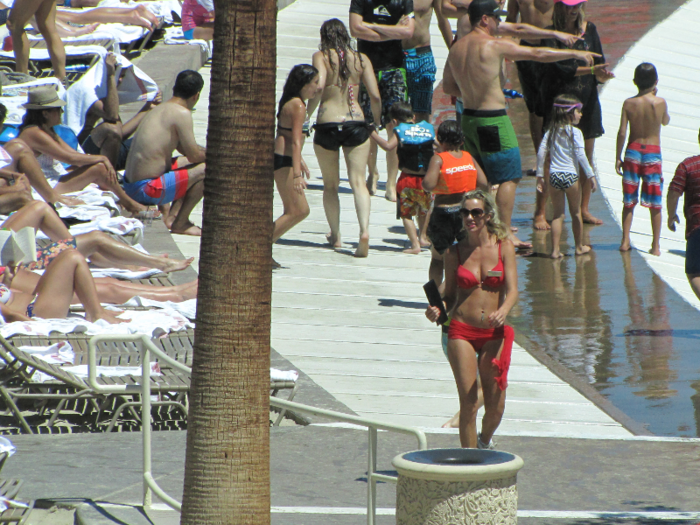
(593, 70)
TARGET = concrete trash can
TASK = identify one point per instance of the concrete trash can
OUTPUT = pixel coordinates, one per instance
(457, 486)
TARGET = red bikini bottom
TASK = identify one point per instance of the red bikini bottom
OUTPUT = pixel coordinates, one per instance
(478, 337)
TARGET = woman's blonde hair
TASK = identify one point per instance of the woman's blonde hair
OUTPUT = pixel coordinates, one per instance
(493, 221)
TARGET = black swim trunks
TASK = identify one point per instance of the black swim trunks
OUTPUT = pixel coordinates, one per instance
(392, 88)
(333, 135)
(91, 148)
(445, 227)
(282, 161)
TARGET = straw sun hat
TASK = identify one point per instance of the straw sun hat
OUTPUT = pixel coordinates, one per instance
(43, 97)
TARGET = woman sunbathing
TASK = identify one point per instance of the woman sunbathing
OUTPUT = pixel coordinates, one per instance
(102, 250)
(51, 299)
(44, 110)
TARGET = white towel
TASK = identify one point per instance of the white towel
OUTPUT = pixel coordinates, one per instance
(127, 275)
(174, 35)
(155, 323)
(92, 86)
(102, 36)
(283, 375)
(102, 371)
(187, 308)
(60, 353)
(7, 446)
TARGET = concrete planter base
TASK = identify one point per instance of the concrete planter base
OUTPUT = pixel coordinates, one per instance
(457, 486)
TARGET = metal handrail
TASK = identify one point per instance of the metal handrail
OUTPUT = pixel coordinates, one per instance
(372, 428)
(146, 346)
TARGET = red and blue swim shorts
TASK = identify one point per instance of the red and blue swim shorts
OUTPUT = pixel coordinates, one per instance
(169, 187)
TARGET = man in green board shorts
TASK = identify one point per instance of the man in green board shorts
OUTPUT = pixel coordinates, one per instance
(472, 72)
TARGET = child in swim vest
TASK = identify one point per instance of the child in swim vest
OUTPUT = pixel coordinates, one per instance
(566, 148)
(415, 149)
(451, 173)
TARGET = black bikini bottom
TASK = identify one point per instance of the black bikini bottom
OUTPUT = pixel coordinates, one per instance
(282, 161)
(333, 135)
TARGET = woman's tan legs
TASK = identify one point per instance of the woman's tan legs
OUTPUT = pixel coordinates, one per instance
(356, 161)
(462, 359)
(587, 189)
(296, 209)
(328, 161)
(494, 397)
(39, 216)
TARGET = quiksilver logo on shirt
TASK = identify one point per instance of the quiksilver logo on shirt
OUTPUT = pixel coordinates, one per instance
(457, 169)
(382, 11)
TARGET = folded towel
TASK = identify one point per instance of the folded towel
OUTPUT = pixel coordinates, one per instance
(174, 35)
(103, 36)
(92, 86)
(126, 275)
(60, 353)
(187, 308)
(283, 375)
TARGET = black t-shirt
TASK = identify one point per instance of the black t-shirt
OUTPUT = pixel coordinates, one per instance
(387, 54)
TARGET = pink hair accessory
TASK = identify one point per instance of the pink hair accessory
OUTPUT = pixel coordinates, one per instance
(569, 107)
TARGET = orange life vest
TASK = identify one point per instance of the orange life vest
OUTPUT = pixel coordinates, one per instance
(456, 175)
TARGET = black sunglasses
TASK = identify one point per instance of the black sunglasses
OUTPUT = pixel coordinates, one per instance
(474, 212)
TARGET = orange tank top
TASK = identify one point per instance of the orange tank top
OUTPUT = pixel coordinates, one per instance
(456, 175)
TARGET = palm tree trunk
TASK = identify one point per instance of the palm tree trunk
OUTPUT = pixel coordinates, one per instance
(227, 474)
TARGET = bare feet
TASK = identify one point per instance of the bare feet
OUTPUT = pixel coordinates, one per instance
(519, 245)
(590, 219)
(85, 30)
(390, 195)
(188, 229)
(556, 255)
(132, 207)
(583, 249)
(655, 251)
(540, 223)
(453, 422)
(413, 251)
(363, 246)
(514, 229)
(372, 183)
(190, 290)
(334, 241)
(175, 265)
(111, 316)
(425, 244)
(625, 247)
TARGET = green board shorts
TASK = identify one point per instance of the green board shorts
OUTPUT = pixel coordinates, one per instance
(490, 138)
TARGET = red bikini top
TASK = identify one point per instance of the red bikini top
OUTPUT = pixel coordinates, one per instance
(494, 279)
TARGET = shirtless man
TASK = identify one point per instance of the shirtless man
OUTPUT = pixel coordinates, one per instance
(420, 63)
(645, 113)
(472, 71)
(152, 176)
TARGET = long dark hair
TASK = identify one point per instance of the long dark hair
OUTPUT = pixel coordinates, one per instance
(559, 17)
(560, 122)
(299, 76)
(35, 117)
(334, 35)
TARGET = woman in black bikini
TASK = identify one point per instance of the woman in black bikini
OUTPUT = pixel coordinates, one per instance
(481, 287)
(301, 85)
(341, 123)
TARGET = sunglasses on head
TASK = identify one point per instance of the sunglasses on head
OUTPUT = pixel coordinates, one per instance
(474, 213)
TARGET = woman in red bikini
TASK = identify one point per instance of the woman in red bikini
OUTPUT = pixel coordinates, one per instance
(481, 287)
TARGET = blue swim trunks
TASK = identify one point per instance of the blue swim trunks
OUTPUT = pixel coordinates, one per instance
(642, 161)
(169, 187)
(420, 77)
